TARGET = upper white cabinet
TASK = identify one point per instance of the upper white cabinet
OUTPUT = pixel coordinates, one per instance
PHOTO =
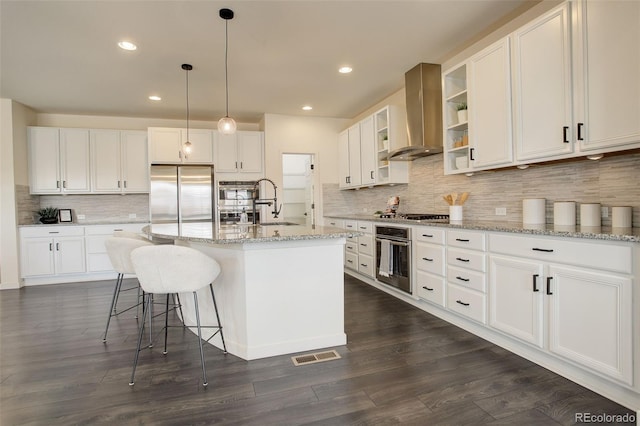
(542, 86)
(119, 161)
(607, 70)
(456, 126)
(363, 151)
(489, 96)
(242, 152)
(59, 160)
(166, 145)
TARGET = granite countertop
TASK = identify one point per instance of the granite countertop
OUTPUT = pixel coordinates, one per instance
(210, 232)
(594, 233)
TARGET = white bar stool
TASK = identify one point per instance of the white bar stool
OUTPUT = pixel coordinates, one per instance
(168, 269)
(119, 249)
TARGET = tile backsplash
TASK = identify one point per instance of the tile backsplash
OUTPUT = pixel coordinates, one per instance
(611, 181)
(95, 208)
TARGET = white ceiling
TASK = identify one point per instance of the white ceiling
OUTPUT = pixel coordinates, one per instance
(61, 56)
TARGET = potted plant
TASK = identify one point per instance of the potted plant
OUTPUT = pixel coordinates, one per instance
(462, 112)
(48, 215)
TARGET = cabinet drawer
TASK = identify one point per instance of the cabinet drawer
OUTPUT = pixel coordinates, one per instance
(350, 225)
(366, 227)
(353, 240)
(351, 247)
(351, 260)
(51, 231)
(466, 259)
(365, 245)
(466, 239)
(605, 256)
(430, 258)
(110, 229)
(429, 235)
(467, 278)
(366, 265)
(338, 223)
(431, 288)
(467, 302)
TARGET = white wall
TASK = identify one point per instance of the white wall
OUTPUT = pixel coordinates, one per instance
(286, 134)
(14, 117)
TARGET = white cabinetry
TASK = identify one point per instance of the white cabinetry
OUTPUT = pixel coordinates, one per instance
(456, 132)
(242, 153)
(542, 86)
(166, 145)
(388, 134)
(52, 250)
(351, 246)
(466, 267)
(368, 152)
(349, 161)
(366, 249)
(429, 260)
(586, 288)
(59, 160)
(96, 252)
(607, 66)
(119, 161)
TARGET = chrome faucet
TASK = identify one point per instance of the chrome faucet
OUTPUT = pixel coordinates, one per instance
(266, 201)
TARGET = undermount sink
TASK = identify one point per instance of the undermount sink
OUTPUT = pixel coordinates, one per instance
(279, 224)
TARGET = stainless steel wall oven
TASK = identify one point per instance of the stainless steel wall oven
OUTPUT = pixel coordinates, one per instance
(393, 257)
(235, 198)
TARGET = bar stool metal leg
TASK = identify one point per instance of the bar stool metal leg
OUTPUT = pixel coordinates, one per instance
(166, 324)
(215, 308)
(112, 309)
(146, 304)
(204, 372)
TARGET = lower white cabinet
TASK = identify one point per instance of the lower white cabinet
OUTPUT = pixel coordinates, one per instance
(580, 314)
(52, 250)
(429, 260)
(61, 253)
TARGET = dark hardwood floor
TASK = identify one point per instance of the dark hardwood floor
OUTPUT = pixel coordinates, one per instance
(401, 365)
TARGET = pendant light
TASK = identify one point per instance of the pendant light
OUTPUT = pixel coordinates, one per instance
(226, 125)
(186, 146)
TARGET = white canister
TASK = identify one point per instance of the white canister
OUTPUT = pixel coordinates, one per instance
(590, 214)
(455, 213)
(564, 213)
(621, 217)
(533, 211)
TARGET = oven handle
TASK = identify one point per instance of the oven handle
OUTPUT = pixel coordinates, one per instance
(394, 242)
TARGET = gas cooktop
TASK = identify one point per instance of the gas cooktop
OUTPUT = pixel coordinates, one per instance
(417, 216)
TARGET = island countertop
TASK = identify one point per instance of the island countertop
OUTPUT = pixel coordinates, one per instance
(212, 233)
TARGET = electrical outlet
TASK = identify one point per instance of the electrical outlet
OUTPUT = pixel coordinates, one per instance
(604, 212)
(132, 215)
(501, 211)
(80, 217)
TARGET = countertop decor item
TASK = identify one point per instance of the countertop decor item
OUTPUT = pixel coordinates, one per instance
(533, 211)
(590, 214)
(621, 217)
(48, 215)
(564, 213)
(455, 202)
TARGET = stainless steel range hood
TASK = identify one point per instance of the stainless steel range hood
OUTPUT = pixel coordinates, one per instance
(424, 113)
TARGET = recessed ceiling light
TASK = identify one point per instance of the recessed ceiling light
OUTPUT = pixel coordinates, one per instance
(155, 98)
(127, 45)
(345, 70)
(307, 107)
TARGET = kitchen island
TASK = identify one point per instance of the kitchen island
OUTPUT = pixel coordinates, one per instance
(280, 290)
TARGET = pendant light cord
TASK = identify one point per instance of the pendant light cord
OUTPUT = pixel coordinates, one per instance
(187, 79)
(226, 66)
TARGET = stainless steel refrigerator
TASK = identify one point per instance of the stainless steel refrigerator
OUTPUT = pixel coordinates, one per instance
(181, 193)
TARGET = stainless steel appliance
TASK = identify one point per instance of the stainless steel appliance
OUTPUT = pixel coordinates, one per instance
(398, 265)
(427, 217)
(181, 193)
(235, 199)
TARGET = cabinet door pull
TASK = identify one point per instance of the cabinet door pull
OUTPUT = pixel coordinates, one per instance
(461, 259)
(427, 235)
(125, 184)
(462, 303)
(118, 229)
(57, 184)
(462, 240)
(463, 279)
(363, 264)
(54, 232)
(57, 246)
(565, 130)
(241, 164)
(549, 286)
(50, 246)
(427, 288)
(427, 259)
(64, 183)
(471, 154)
(372, 175)
(349, 261)
(363, 227)
(535, 283)
(363, 244)
(580, 131)
(544, 250)
(118, 184)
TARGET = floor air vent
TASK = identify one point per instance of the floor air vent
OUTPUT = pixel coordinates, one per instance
(313, 358)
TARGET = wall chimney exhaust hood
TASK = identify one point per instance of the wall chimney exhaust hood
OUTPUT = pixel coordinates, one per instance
(423, 89)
